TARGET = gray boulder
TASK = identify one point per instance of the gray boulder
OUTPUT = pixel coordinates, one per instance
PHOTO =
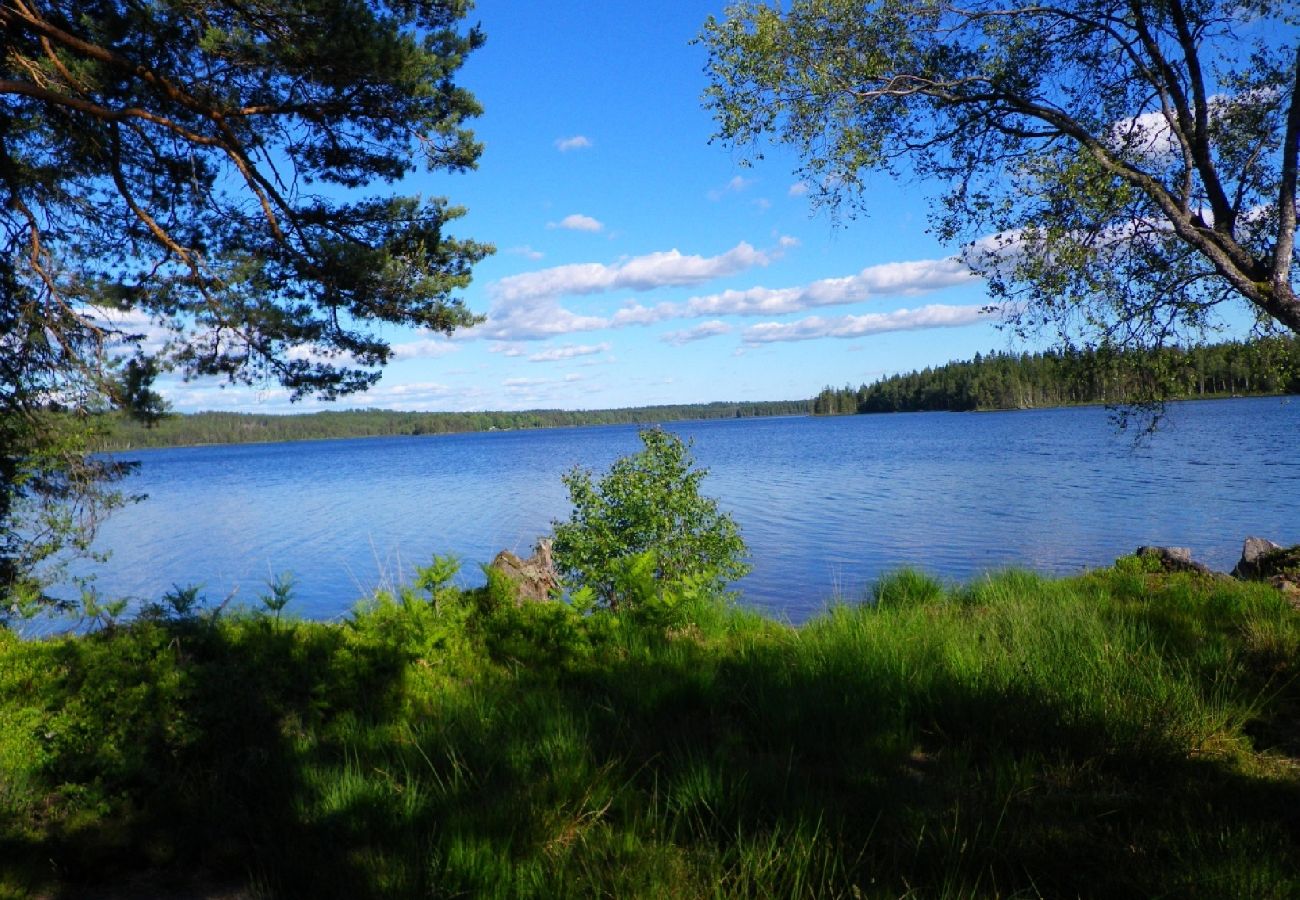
(1254, 553)
(1175, 559)
(1266, 561)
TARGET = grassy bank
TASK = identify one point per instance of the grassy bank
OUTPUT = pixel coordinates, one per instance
(1120, 734)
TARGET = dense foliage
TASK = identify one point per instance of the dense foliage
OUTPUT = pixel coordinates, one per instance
(1116, 735)
(1121, 167)
(1029, 380)
(187, 185)
(646, 523)
(52, 496)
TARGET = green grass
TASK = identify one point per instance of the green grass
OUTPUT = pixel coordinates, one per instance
(1120, 734)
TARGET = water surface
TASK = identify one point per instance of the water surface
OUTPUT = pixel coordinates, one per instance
(825, 504)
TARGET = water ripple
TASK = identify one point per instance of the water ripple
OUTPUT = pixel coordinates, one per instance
(826, 505)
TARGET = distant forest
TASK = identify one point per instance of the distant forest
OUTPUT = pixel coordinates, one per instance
(1062, 378)
(998, 380)
(244, 428)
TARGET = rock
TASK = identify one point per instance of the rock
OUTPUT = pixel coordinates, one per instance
(1174, 559)
(535, 576)
(1266, 561)
(1261, 560)
(1254, 553)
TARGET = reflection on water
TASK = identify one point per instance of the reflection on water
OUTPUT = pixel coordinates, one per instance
(826, 505)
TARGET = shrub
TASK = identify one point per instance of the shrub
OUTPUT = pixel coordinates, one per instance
(648, 503)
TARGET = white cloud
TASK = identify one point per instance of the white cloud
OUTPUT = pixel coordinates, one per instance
(526, 251)
(193, 397)
(525, 393)
(422, 348)
(526, 306)
(698, 333)
(577, 142)
(639, 273)
(571, 351)
(210, 394)
(887, 279)
(814, 327)
(410, 390)
(506, 349)
(798, 189)
(1148, 136)
(313, 354)
(654, 270)
(577, 222)
(149, 336)
(425, 348)
(734, 186)
(636, 314)
(532, 319)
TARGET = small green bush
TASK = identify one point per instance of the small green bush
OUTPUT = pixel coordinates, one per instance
(647, 511)
(431, 619)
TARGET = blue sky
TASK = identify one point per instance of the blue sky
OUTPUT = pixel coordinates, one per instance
(637, 263)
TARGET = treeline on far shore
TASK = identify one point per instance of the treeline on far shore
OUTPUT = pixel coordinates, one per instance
(1003, 380)
(244, 428)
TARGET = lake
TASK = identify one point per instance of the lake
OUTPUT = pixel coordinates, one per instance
(826, 504)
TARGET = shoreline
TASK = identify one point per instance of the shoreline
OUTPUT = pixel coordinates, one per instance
(649, 422)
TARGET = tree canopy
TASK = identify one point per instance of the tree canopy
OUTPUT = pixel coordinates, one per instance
(1120, 168)
(188, 184)
(1131, 378)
